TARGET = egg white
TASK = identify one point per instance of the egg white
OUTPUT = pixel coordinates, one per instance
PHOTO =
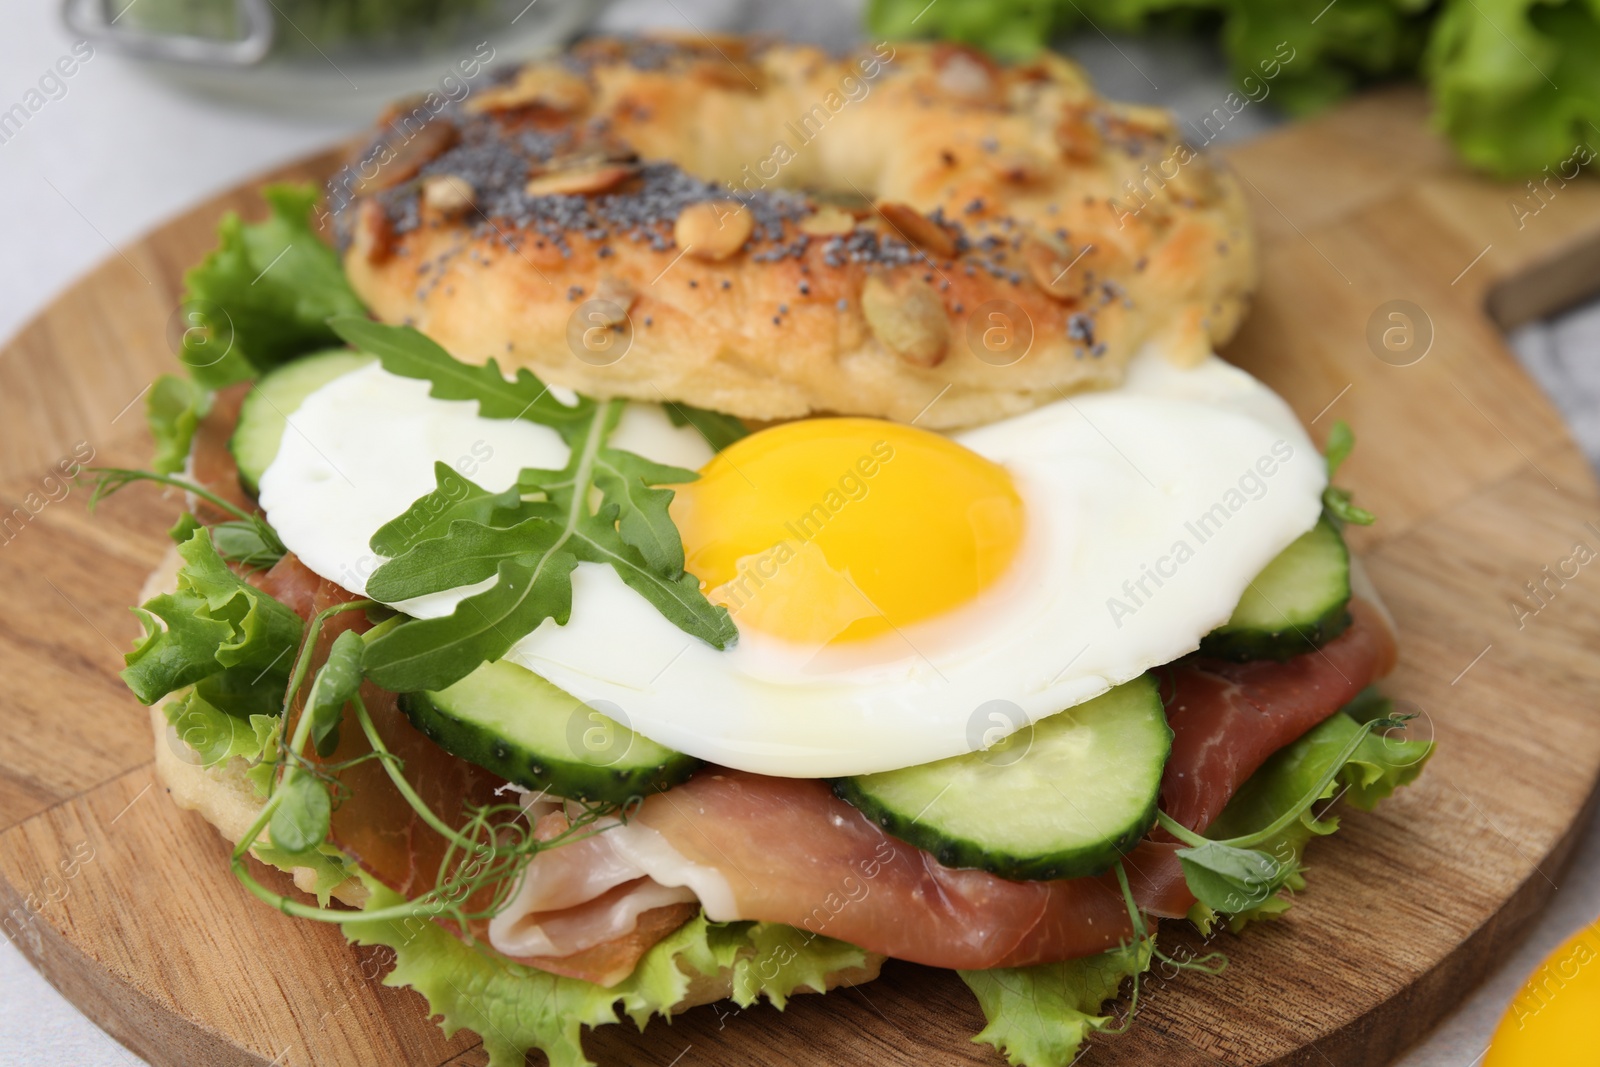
(1113, 483)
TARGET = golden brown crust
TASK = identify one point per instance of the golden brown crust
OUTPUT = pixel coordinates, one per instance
(960, 206)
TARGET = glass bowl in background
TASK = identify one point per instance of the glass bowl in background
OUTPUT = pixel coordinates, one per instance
(325, 56)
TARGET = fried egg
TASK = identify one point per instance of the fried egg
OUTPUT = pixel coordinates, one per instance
(890, 584)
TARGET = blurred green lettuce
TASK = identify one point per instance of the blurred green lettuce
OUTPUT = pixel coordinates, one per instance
(1515, 84)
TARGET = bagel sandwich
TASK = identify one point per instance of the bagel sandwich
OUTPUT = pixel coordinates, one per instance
(774, 232)
(793, 615)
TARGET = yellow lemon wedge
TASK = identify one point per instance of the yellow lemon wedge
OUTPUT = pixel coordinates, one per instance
(1555, 1020)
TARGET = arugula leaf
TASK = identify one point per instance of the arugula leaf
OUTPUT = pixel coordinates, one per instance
(411, 354)
(470, 552)
(332, 689)
(473, 552)
(268, 290)
(679, 599)
(431, 515)
(626, 481)
(430, 654)
(304, 812)
(718, 429)
(535, 533)
(214, 621)
(173, 409)
(1040, 1016)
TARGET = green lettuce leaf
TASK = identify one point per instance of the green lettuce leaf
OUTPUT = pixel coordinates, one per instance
(215, 735)
(1516, 87)
(1514, 84)
(243, 691)
(264, 768)
(218, 737)
(1012, 28)
(516, 1009)
(265, 294)
(1276, 51)
(330, 866)
(1040, 1016)
(774, 961)
(173, 409)
(1381, 764)
(214, 621)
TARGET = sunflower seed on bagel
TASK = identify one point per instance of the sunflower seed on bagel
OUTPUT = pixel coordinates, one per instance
(798, 232)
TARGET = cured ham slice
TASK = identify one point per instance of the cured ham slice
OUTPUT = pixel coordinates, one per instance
(749, 847)
(592, 922)
(584, 910)
(1228, 718)
(373, 823)
(791, 852)
(787, 850)
(609, 961)
(1157, 879)
(291, 583)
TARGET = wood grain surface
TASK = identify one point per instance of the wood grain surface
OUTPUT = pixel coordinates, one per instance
(125, 903)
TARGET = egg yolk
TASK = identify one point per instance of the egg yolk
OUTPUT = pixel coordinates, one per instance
(828, 530)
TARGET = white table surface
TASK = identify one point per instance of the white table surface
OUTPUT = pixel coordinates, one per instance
(121, 151)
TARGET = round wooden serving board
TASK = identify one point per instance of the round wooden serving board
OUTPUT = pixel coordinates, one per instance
(126, 904)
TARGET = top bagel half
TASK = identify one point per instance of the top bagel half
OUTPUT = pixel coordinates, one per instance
(911, 231)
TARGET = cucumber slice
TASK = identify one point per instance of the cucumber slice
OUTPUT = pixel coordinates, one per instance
(509, 720)
(1063, 803)
(1300, 602)
(276, 395)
